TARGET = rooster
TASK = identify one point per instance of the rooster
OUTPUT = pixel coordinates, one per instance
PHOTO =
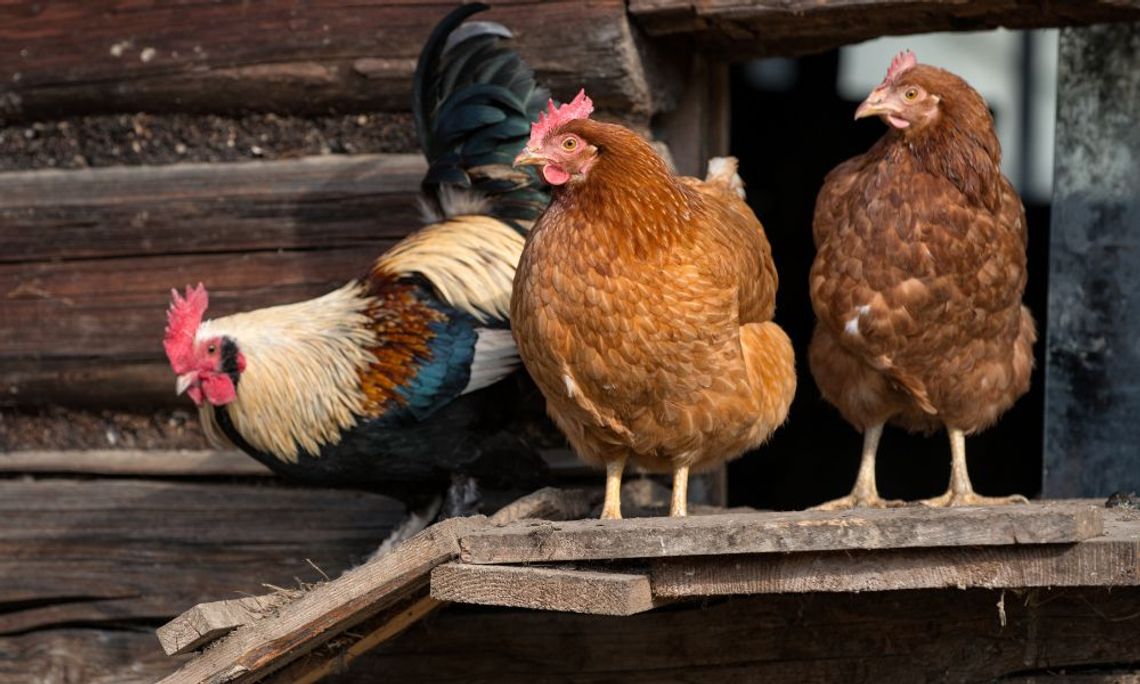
(387, 382)
(918, 277)
(643, 306)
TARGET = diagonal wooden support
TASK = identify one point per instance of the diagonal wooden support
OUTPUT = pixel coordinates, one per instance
(208, 622)
(254, 651)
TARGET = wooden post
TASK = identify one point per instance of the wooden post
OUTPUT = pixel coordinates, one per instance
(1093, 361)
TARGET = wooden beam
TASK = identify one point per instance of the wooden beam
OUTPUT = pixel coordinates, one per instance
(743, 29)
(94, 552)
(253, 651)
(208, 622)
(535, 542)
(134, 462)
(563, 589)
(80, 56)
(1111, 560)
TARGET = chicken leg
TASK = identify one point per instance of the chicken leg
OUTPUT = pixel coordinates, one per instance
(865, 492)
(611, 509)
(679, 507)
(961, 492)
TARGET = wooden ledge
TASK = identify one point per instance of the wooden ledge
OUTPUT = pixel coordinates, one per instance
(568, 590)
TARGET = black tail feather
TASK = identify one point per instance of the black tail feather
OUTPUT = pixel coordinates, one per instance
(474, 101)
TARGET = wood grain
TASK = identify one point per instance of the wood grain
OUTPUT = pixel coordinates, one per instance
(208, 622)
(569, 590)
(255, 650)
(127, 551)
(1109, 560)
(80, 56)
(534, 542)
(741, 29)
(134, 462)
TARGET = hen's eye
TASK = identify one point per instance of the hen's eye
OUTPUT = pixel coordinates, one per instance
(570, 144)
(911, 94)
(211, 349)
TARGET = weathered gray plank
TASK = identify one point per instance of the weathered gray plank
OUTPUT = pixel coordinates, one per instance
(83, 656)
(757, 28)
(99, 551)
(568, 590)
(1093, 362)
(1109, 560)
(134, 462)
(533, 542)
(109, 56)
(208, 622)
(255, 650)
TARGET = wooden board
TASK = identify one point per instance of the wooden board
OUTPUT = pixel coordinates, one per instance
(906, 636)
(96, 56)
(740, 29)
(135, 463)
(1109, 560)
(534, 542)
(255, 650)
(72, 655)
(130, 552)
(211, 621)
(568, 590)
(87, 329)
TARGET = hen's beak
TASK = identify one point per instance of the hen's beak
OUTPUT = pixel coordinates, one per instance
(184, 382)
(875, 105)
(529, 158)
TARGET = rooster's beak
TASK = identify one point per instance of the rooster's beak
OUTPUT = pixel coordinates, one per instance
(529, 158)
(874, 105)
(184, 382)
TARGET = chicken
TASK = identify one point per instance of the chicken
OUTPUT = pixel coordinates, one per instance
(643, 306)
(386, 382)
(918, 277)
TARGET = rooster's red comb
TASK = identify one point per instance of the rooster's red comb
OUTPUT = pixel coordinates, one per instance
(902, 61)
(578, 108)
(182, 321)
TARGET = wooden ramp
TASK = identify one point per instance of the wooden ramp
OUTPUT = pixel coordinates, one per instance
(630, 566)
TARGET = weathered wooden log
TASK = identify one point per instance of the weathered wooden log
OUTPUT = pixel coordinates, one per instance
(563, 589)
(741, 29)
(79, 56)
(88, 259)
(131, 551)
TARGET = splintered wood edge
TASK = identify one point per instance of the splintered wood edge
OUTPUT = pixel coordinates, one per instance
(253, 651)
(1112, 560)
(207, 622)
(805, 531)
(558, 589)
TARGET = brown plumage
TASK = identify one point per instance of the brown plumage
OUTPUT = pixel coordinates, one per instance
(642, 308)
(918, 277)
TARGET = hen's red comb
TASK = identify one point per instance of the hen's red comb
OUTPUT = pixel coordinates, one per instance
(182, 321)
(579, 108)
(902, 61)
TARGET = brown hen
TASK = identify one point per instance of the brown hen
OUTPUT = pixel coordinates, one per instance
(918, 276)
(642, 307)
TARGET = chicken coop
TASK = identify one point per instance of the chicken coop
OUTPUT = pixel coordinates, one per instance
(269, 149)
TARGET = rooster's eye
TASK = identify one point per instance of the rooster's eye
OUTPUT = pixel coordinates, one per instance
(911, 94)
(211, 349)
(570, 144)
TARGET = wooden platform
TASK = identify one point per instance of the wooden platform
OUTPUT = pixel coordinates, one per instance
(621, 568)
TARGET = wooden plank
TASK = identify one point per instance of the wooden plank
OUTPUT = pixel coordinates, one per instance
(534, 542)
(907, 636)
(253, 651)
(1092, 360)
(1111, 560)
(315, 667)
(568, 590)
(79, 56)
(208, 622)
(310, 203)
(134, 462)
(83, 656)
(111, 551)
(741, 29)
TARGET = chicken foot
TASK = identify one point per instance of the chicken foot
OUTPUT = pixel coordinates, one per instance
(611, 509)
(679, 506)
(961, 492)
(865, 493)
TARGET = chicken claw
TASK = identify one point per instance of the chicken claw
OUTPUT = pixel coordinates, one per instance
(859, 500)
(611, 509)
(969, 498)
